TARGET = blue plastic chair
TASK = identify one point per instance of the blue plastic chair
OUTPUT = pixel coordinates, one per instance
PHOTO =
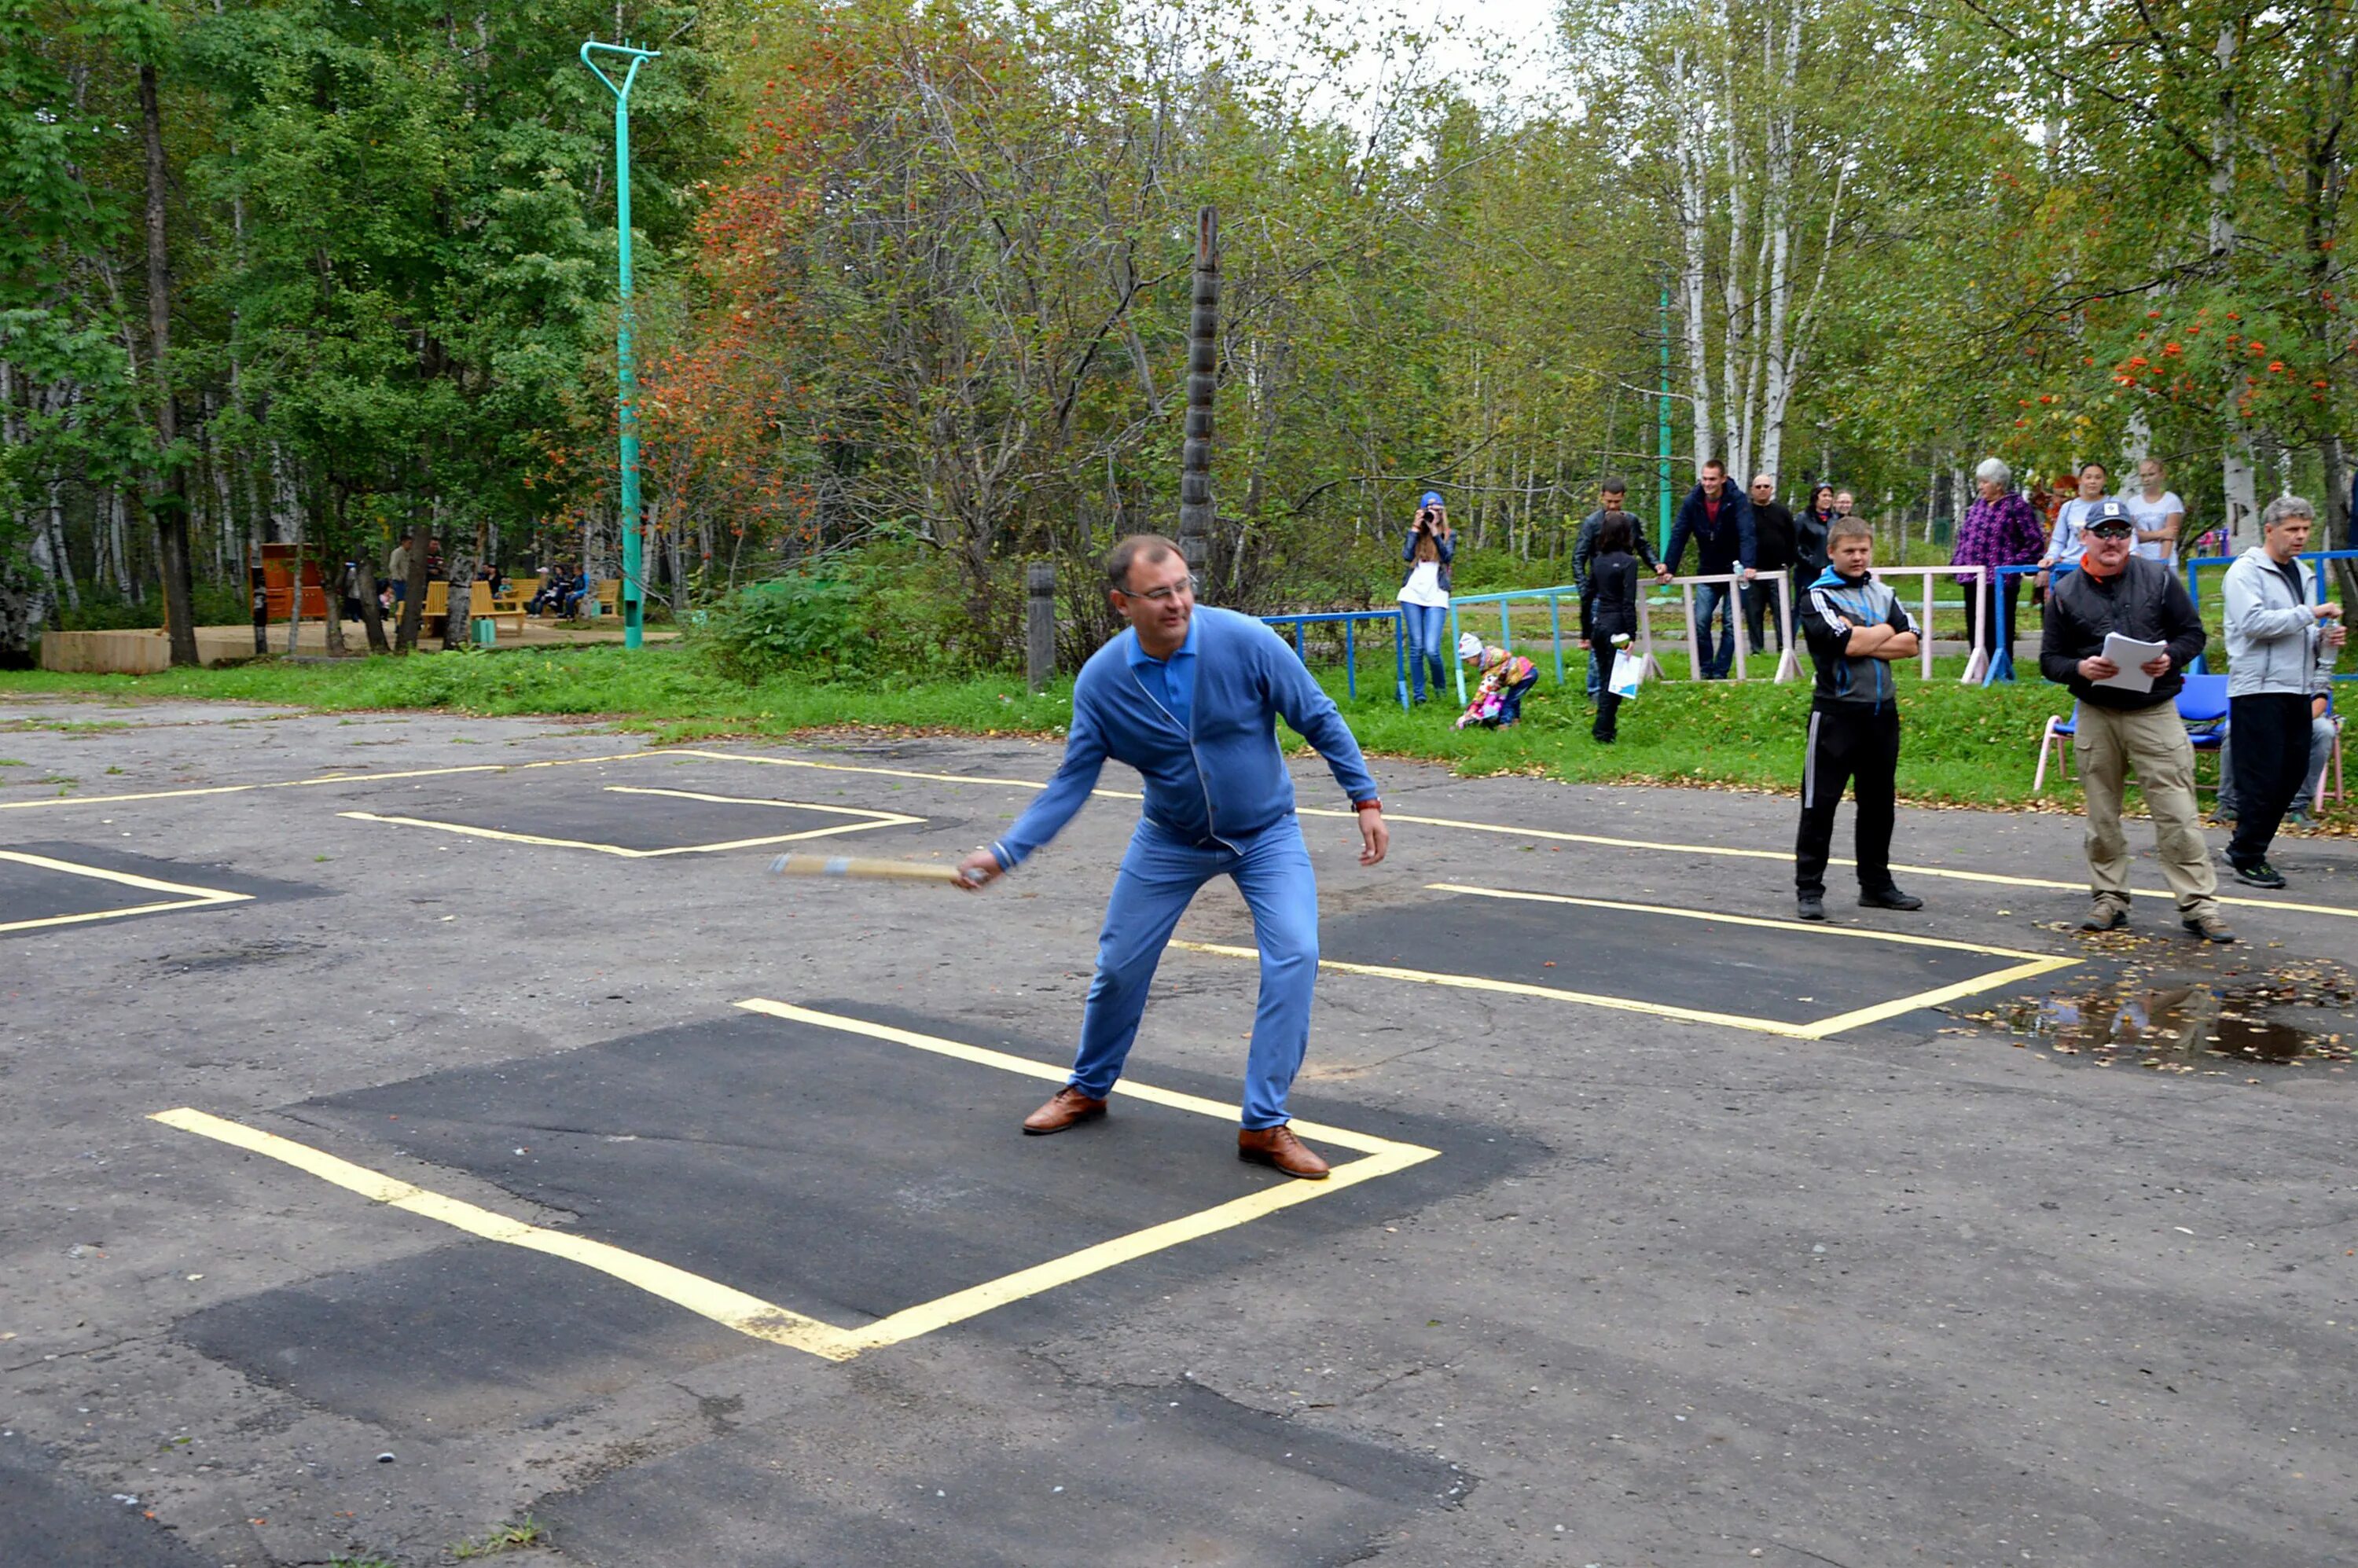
(2202, 707)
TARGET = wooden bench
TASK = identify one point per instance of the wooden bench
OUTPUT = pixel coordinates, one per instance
(517, 595)
(481, 606)
(610, 596)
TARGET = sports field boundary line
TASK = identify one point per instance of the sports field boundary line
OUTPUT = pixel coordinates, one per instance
(192, 896)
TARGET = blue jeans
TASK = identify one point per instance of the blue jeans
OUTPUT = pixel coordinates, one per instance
(1158, 878)
(1427, 625)
(1710, 597)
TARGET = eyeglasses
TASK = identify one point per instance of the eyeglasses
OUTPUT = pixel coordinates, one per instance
(1163, 595)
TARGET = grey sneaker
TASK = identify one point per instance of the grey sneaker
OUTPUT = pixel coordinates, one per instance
(2210, 927)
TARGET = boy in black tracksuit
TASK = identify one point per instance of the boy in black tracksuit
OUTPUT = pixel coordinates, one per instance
(1854, 626)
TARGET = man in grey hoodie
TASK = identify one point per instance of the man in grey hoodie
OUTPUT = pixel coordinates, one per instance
(2277, 633)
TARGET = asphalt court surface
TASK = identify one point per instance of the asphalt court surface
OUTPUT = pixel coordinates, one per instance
(840, 1176)
(1863, 1279)
(1749, 972)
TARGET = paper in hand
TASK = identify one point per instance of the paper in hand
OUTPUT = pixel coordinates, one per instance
(2131, 656)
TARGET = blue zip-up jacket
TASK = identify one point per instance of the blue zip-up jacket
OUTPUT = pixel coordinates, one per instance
(1843, 681)
(1729, 548)
(1221, 780)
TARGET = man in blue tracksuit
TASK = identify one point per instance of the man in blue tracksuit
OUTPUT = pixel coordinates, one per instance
(1855, 627)
(1716, 516)
(1190, 697)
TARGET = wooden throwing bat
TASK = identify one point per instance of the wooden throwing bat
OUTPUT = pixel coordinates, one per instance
(862, 866)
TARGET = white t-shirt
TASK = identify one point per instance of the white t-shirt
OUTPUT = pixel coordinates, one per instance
(2152, 515)
(2065, 544)
(1423, 586)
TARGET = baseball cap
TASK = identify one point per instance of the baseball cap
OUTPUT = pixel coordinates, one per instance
(2106, 513)
(1430, 498)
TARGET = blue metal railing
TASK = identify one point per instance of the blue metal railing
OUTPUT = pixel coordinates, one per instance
(1350, 620)
(1505, 622)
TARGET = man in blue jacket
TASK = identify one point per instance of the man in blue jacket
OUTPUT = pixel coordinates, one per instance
(1719, 520)
(1190, 697)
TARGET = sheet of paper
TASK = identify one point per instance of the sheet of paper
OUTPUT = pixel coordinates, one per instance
(2131, 655)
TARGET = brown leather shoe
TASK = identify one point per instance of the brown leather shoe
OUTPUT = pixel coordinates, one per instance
(1069, 1107)
(1278, 1146)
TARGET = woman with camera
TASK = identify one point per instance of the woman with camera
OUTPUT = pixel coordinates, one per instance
(1425, 591)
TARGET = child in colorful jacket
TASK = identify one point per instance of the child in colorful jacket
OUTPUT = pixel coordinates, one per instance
(1498, 701)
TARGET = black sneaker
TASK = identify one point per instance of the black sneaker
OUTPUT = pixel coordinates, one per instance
(2258, 874)
(1810, 906)
(2107, 916)
(1889, 898)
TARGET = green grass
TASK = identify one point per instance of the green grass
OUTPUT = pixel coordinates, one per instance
(1965, 745)
(527, 1532)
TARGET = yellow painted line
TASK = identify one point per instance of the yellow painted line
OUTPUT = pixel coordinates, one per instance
(1064, 1271)
(906, 774)
(1554, 836)
(321, 779)
(1827, 1027)
(708, 1298)
(185, 896)
(762, 800)
(1901, 938)
(1383, 1157)
(1518, 987)
(1818, 1030)
(886, 819)
(1366, 1143)
(766, 1321)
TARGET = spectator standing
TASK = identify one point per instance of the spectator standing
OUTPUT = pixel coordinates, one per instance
(2118, 729)
(2324, 724)
(2158, 513)
(1424, 591)
(1999, 530)
(2064, 544)
(396, 571)
(1811, 525)
(1772, 551)
(1855, 627)
(1610, 494)
(2276, 638)
(1608, 612)
(1720, 521)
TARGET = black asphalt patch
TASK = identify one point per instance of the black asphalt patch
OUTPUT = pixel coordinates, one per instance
(49, 1521)
(476, 1334)
(616, 811)
(1795, 974)
(837, 1175)
(1081, 1476)
(39, 893)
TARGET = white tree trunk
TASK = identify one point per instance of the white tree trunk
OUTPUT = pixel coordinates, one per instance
(1694, 191)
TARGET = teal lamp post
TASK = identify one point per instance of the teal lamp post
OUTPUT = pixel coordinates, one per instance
(633, 546)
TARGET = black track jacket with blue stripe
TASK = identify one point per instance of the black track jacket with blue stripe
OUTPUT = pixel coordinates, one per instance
(1831, 606)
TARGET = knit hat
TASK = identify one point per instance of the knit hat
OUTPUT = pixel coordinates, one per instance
(1469, 646)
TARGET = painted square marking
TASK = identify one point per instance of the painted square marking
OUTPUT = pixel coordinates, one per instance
(857, 819)
(2021, 966)
(171, 895)
(766, 1321)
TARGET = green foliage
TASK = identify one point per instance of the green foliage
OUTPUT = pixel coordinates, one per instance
(529, 1531)
(894, 611)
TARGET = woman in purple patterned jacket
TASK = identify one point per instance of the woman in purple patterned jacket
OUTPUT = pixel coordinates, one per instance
(2001, 529)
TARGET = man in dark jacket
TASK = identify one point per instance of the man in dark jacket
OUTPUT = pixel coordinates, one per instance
(1855, 627)
(2121, 726)
(1610, 497)
(1772, 551)
(1720, 523)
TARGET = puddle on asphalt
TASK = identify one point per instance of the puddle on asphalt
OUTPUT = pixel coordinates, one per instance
(2294, 1016)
